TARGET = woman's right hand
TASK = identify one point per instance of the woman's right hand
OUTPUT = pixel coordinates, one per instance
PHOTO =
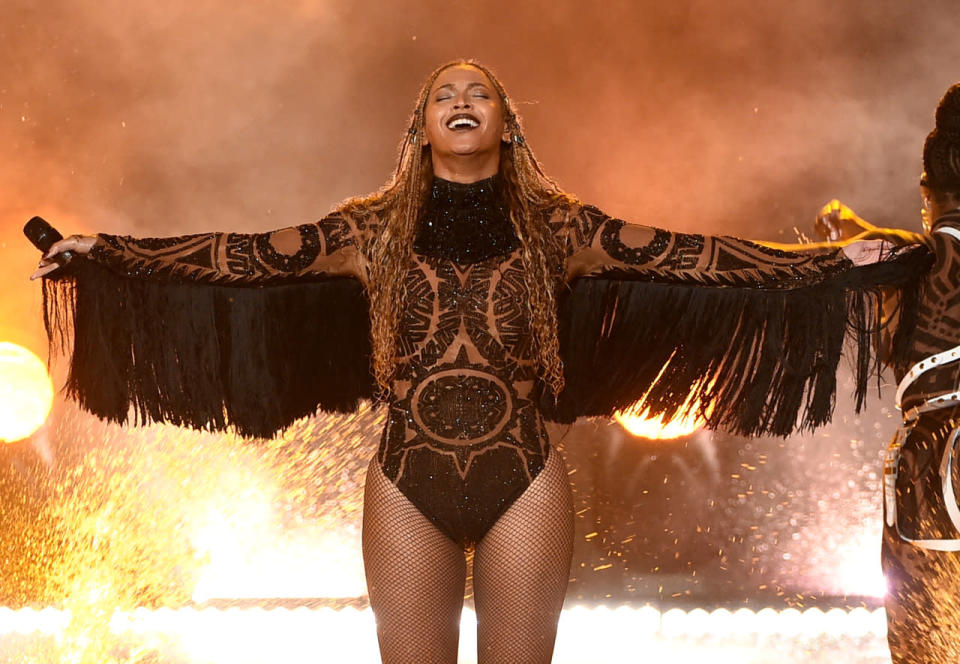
(836, 222)
(78, 244)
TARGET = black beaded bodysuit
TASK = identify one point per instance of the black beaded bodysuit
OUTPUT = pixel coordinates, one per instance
(463, 422)
(465, 434)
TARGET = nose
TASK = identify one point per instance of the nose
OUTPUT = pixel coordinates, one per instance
(462, 101)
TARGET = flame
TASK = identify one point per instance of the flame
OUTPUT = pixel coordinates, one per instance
(637, 421)
(26, 393)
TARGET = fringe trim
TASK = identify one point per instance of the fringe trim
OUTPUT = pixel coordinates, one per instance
(206, 356)
(750, 361)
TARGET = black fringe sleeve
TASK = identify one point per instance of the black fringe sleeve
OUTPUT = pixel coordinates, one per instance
(209, 356)
(757, 360)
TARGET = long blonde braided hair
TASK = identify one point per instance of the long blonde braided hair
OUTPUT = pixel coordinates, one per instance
(530, 193)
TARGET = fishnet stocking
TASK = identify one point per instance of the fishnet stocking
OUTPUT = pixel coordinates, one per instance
(520, 572)
(416, 574)
(415, 577)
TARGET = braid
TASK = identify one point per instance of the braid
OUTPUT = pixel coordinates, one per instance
(531, 194)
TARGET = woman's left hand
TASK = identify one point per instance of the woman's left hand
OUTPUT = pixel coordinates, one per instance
(78, 244)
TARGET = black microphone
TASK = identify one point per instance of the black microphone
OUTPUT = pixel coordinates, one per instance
(42, 235)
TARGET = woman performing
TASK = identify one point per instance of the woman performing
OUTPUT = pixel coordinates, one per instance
(921, 537)
(476, 300)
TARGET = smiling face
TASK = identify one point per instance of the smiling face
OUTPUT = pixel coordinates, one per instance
(464, 119)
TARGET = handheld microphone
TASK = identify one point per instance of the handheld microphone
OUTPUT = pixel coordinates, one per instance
(42, 235)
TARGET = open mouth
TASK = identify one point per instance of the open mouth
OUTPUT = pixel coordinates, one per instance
(462, 122)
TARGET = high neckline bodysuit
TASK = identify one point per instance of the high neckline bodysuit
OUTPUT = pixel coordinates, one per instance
(464, 437)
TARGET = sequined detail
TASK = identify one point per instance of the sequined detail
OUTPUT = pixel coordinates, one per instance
(454, 406)
(614, 246)
(310, 247)
(464, 436)
(465, 223)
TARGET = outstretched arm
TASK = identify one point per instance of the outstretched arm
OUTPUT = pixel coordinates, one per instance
(598, 244)
(750, 334)
(328, 247)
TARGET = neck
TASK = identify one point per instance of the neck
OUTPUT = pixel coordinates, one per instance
(466, 168)
(466, 222)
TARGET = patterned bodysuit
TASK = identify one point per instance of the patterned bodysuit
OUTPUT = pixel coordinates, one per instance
(464, 435)
(924, 598)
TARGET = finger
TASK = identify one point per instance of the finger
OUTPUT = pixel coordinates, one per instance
(59, 247)
(75, 243)
(43, 271)
(828, 221)
(821, 230)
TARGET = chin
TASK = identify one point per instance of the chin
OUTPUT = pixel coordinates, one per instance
(467, 148)
(464, 151)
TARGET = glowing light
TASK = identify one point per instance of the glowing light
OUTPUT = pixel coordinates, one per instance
(637, 419)
(308, 563)
(26, 393)
(158, 516)
(638, 422)
(858, 569)
(254, 635)
(674, 623)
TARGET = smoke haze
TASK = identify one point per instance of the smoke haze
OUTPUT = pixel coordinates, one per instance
(733, 117)
(738, 117)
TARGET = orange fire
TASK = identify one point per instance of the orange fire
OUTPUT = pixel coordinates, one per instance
(637, 421)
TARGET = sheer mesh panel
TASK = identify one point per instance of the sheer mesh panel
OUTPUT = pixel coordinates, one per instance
(416, 575)
(520, 572)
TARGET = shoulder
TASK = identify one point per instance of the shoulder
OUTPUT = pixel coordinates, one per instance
(357, 221)
(575, 223)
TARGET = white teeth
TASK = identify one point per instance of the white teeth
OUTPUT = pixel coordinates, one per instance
(458, 123)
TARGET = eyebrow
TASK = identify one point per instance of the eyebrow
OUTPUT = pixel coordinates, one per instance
(469, 85)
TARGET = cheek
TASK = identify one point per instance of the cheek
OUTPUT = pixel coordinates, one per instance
(501, 122)
(431, 122)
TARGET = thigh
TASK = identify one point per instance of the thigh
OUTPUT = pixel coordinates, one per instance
(415, 577)
(520, 571)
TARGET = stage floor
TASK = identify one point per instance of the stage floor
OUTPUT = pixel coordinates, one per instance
(246, 635)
